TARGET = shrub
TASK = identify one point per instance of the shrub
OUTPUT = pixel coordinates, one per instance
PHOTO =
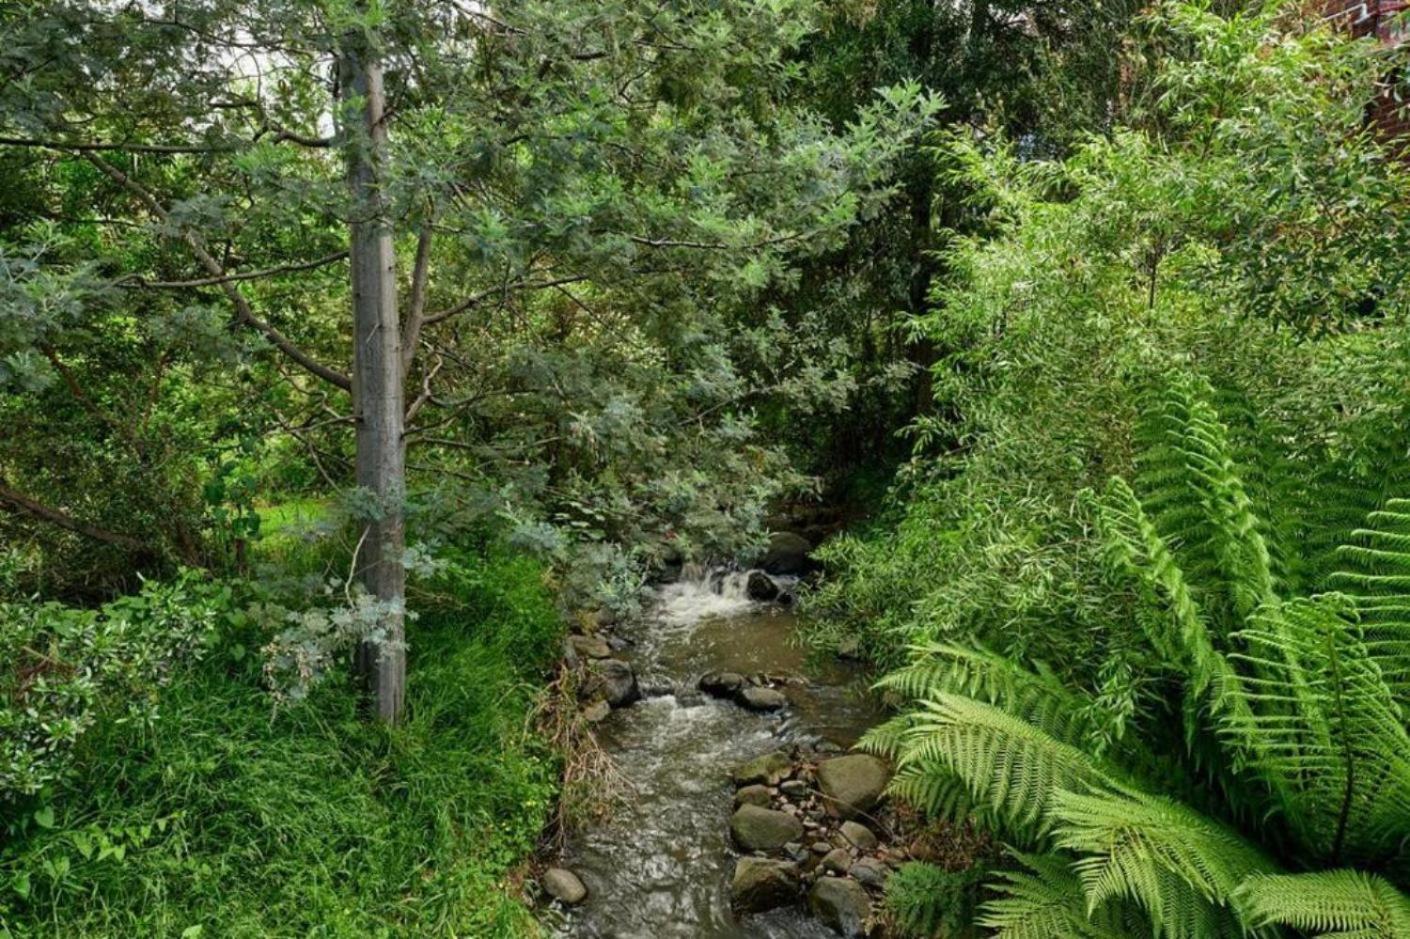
(229, 817)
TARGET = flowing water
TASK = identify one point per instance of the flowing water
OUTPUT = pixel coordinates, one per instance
(660, 867)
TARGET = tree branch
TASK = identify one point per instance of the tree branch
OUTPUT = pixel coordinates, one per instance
(66, 521)
(244, 314)
(136, 281)
(416, 309)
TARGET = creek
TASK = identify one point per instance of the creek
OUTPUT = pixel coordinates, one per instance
(659, 867)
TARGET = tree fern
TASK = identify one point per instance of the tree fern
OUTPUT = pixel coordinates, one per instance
(1338, 904)
(1324, 730)
(1036, 695)
(1292, 707)
(1178, 865)
(1045, 900)
(1376, 573)
(1011, 768)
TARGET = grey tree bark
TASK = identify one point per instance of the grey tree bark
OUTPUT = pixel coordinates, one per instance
(378, 406)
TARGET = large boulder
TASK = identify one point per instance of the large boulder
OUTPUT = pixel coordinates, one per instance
(759, 829)
(841, 904)
(761, 884)
(787, 554)
(613, 681)
(562, 884)
(852, 785)
(760, 586)
(769, 769)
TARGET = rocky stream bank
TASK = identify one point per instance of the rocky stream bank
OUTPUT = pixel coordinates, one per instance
(744, 814)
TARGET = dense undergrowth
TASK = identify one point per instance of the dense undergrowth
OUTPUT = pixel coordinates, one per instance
(222, 816)
(1174, 387)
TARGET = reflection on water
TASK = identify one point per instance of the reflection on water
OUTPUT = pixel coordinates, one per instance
(660, 867)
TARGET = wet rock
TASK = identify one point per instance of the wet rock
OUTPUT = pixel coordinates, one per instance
(769, 769)
(753, 795)
(597, 711)
(841, 904)
(619, 643)
(852, 785)
(613, 680)
(787, 554)
(761, 884)
(591, 647)
(759, 829)
(760, 586)
(721, 684)
(794, 788)
(796, 851)
(821, 847)
(656, 687)
(562, 884)
(838, 859)
(860, 836)
(870, 872)
(762, 699)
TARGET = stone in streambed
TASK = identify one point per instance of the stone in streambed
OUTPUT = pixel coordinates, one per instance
(852, 785)
(759, 829)
(762, 699)
(591, 647)
(613, 680)
(753, 795)
(563, 884)
(838, 859)
(787, 554)
(760, 586)
(597, 711)
(721, 684)
(841, 904)
(794, 788)
(870, 872)
(859, 835)
(761, 884)
(769, 769)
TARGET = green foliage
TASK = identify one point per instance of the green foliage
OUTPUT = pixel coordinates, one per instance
(927, 901)
(68, 670)
(1289, 724)
(223, 816)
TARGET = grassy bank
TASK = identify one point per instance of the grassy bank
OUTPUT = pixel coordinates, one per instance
(227, 819)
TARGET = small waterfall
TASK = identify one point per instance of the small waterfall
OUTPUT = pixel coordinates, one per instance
(702, 592)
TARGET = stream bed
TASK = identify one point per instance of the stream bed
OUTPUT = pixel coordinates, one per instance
(660, 866)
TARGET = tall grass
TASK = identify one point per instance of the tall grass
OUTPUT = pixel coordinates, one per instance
(227, 819)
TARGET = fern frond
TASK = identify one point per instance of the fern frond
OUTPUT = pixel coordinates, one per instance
(1009, 767)
(1046, 902)
(1190, 465)
(1337, 904)
(1179, 866)
(1323, 728)
(1376, 573)
(1037, 696)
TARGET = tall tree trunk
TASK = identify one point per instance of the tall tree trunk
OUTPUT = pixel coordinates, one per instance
(377, 373)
